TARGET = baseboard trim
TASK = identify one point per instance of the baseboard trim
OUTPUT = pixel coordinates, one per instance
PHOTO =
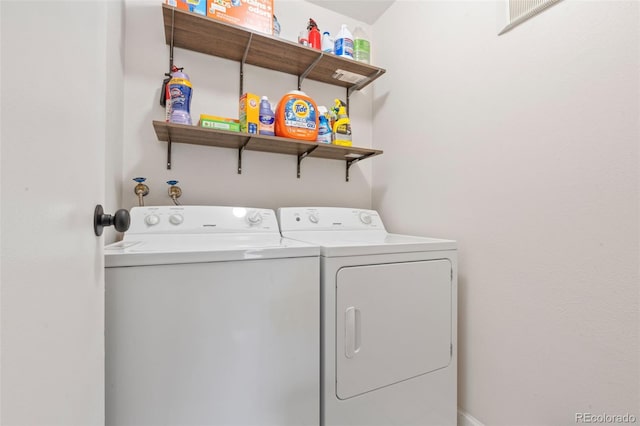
(466, 419)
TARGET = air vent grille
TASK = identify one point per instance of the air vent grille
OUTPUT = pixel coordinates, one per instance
(521, 10)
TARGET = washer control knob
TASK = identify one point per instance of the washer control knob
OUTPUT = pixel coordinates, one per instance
(313, 218)
(176, 219)
(365, 218)
(152, 219)
(254, 218)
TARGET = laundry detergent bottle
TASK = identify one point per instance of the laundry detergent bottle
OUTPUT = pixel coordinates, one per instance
(180, 91)
(325, 135)
(361, 46)
(344, 43)
(266, 118)
(327, 42)
(297, 117)
(342, 126)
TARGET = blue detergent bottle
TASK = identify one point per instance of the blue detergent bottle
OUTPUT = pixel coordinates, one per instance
(343, 44)
(180, 91)
(324, 128)
(266, 117)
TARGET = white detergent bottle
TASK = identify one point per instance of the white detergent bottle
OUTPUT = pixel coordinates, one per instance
(327, 42)
(361, 46)
(344, 43)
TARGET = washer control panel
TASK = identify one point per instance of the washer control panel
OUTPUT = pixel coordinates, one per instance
(328, 218)
(201, 219)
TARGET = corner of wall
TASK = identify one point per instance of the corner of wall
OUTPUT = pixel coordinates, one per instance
(466, 419)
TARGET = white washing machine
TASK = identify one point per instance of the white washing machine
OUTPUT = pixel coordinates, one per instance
(388, 319)
(212, 318)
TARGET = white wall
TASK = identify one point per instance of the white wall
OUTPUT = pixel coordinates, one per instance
(524, 148)
(57, 118)
(115, 100)
(208, 175)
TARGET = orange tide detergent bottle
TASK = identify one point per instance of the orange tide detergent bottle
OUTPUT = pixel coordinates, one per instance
(297, 117)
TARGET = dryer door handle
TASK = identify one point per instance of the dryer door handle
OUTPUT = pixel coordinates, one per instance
(352, 332)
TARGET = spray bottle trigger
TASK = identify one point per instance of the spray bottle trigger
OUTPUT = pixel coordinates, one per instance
(163, 90)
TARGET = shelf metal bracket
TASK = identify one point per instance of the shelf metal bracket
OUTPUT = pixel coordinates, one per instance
(244, 59)
(173, 15)
(240, 151)
(308, 70)
(352, 161)
(360, 85)
(303, 156)
(168, 148)
(348, 95)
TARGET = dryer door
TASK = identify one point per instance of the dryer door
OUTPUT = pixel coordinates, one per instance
(393, 323)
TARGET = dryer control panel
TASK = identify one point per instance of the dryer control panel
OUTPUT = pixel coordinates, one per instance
(201, 220)
(328, 219)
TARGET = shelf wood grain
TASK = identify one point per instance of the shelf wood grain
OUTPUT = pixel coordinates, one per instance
(209, 36)
(180, 133)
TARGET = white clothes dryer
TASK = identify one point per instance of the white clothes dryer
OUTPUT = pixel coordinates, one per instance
(212, 318)
(388, 319)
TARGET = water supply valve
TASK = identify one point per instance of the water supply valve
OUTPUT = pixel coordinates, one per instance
(141, 190)
(174, 191)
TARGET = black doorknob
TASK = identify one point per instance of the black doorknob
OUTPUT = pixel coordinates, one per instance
(120, 220)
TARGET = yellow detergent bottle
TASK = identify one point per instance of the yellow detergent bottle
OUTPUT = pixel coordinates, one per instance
(342, 126)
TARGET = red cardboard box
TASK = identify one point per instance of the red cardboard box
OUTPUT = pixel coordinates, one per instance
(255, 15)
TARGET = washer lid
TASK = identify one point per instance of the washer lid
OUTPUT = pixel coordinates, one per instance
(197, 248)
(359, 243)
(189, 234)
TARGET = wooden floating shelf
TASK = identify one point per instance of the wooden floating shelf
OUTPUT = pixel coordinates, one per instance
(206, 35)
(180, 133)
